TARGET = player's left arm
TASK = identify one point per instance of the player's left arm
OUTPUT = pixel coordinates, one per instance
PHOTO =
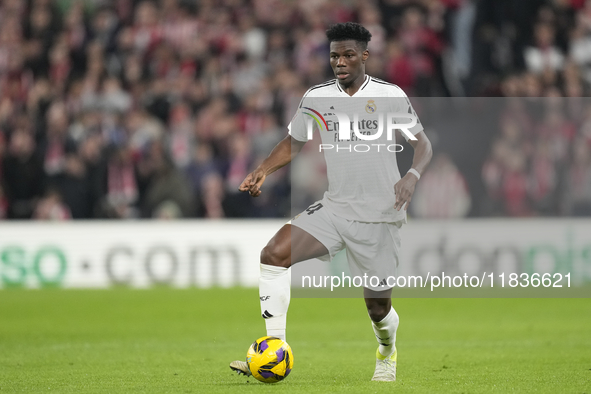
(405, 187)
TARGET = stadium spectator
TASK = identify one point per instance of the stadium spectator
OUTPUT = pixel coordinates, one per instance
(121, 186)
(399, 69)
(423, 47)
(577, 193)
(74, 186)
(544, 54)
(442, 192)
(3, 204)
(24, 179)
(51, 207)
(543, 179)
(162, 184)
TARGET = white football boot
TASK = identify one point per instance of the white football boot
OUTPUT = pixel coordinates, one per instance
(240, 367)
(385, 367)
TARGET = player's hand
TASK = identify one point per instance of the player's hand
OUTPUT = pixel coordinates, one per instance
(253, 182)
(404, 189)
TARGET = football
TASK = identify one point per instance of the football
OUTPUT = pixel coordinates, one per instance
(269, 359)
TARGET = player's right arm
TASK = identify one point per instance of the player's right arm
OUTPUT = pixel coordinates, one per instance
(281, 155)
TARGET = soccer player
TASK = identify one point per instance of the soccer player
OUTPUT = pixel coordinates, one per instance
(361, 212)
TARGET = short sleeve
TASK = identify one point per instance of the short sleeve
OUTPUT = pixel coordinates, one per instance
(298, 127)
(406, 107)
(416, 129)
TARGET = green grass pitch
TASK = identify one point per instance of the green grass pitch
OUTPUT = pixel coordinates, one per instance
(181, 341)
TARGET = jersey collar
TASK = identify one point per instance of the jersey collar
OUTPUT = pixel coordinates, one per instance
(365, 83)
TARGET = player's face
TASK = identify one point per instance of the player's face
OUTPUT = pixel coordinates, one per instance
(347, 60)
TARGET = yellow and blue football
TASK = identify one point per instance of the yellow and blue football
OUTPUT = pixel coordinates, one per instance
(269, 359)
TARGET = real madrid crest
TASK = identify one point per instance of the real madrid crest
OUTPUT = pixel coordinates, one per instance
(371, 107)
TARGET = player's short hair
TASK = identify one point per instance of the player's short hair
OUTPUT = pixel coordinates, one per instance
(349, 31)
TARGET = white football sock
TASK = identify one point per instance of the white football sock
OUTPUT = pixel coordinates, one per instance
(385, 331)
(275, 294)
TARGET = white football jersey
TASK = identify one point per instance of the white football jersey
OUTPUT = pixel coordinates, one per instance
(361, 162)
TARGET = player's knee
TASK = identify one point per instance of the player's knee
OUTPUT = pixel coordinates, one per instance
(377, 310)
(270, 255)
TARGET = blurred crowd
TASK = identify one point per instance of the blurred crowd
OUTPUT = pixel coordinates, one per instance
(540, 161)
(159, 109)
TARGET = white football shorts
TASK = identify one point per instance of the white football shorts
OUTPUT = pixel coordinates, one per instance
(372, 248)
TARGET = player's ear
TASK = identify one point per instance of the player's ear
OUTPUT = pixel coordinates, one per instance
(365, 55)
